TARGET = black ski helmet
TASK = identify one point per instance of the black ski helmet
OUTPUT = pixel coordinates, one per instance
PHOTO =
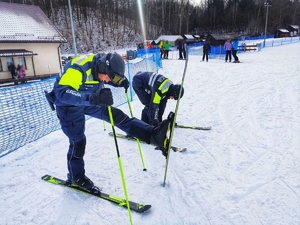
(113, 65)
(174, 91)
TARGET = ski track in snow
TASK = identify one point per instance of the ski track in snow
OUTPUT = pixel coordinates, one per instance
(245, 170)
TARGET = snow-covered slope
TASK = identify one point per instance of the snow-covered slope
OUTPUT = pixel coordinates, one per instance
(246, 170)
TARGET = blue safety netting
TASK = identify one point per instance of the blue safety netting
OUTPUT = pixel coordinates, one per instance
(154, 52)
(26, 115)
(219, 51)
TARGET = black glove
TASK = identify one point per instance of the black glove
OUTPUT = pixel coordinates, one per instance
(104, 97)
(153, 115)
(125, 84)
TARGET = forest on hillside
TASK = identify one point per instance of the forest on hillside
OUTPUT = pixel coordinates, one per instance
(117, 22)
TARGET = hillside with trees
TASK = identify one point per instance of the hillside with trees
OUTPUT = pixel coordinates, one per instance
(108, 24)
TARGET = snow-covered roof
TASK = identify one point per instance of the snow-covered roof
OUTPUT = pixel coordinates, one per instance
(171, 38)
(26, 23)
(296, 27)
(189, 36)
(283, 30)
(224, 36)
(15, 52)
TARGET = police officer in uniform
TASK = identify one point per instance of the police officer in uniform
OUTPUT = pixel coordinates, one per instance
(154, 90)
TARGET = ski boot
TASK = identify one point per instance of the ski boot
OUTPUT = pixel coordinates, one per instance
(159, 136)
(164, 150)
(129, 136)
(84, 183)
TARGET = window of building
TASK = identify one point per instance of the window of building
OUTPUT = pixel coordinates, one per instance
(1, 67)
(22, 62)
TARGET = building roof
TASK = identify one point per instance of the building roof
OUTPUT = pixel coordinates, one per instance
(283, 30)
(188, 36)
(170, 38)
(224, 36)
(15, 52)
(26, 23)
(296, 27)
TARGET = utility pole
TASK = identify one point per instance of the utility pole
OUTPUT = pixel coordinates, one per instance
(187, 22)
(72, 28)
(179, 23)
(267, 5)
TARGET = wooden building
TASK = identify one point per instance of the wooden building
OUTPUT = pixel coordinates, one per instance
(294, 30)
(220, 39)
(281, 33)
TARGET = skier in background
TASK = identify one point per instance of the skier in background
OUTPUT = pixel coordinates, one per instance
(161, 48)
(167, 47)
(180, 50)
(206, 51)
(228, 47)
(235, 46)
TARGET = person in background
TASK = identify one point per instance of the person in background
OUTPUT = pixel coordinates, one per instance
(206, 50)
(12, 69)
(18, 68)
(180, 48)
(79, 90)
(167, 47)
(21, 70)
(235, 46)
(154, 90)
(149, 45)
(228, 47)
(184, 47)
(161, 47)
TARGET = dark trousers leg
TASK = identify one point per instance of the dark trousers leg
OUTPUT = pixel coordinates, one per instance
(234, 55)
(72, 122)
(166, 54)
(75, 159)
(144, 116)
(131, 126)
(180, 54)
(228, 55)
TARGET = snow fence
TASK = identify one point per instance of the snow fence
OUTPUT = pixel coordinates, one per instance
(26, 115)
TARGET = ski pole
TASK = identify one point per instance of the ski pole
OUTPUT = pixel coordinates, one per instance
(120, 162)
(104, 126)
(137, 140)
(175, 114)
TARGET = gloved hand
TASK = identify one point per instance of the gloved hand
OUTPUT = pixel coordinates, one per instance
(125, 84)
(153, 115)
(104, 97)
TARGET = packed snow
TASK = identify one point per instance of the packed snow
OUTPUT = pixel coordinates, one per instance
(246, 170)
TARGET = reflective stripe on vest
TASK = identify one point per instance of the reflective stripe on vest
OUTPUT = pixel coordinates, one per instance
(162, 89)
(71, 77)
(74, 77)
